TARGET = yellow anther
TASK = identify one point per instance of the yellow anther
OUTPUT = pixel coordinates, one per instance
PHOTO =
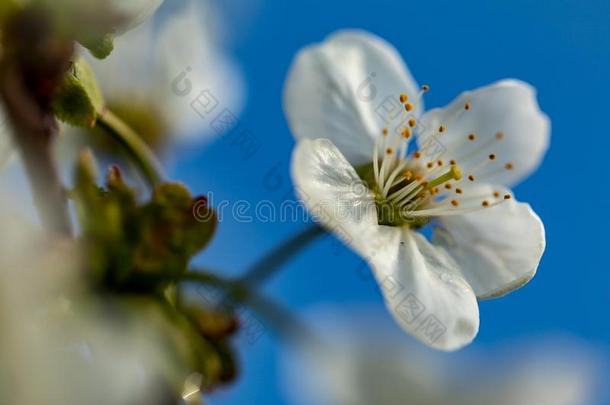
(404, 98)
(408, 175)
(409, 107)
(455, 203)
(509, 166)
(385, 131)
(412, 122)
(406, 132)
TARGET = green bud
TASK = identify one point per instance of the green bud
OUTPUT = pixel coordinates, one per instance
(79, 100)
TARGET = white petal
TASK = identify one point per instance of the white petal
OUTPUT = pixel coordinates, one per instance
(332, 191)
(424, 289)
(187, 43)
(509, 107)
(343, 89)
(421, 284)
(498, 249)
(135, 11)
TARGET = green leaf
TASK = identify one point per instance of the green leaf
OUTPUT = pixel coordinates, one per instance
(79, 100)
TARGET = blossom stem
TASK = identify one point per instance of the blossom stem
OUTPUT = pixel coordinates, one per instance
(34, 130)
(143, 156)
(274, 315)
(270, 263)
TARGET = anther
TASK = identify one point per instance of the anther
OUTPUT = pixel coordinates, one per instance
(507, 196)
(389, 151)
(408, 175)
(492, 157)
(455, 203)
(439, 163)
(452, 162)
(442, 129)
(448, 186)
(406, 132)
(485, 203)
(409, 106)
(499, 135)
(496, 194)
(430, 165)
(508, 166)
(412, 122)
(467, 106)
(404, 98)
(471, 177)
(458, 191)
(472, 137)
(416, 154)
(385, 131)
(425, 88)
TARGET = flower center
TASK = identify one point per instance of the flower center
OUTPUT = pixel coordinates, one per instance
(411, 186)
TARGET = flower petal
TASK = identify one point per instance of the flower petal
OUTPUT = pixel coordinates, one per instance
(421, 283)
(332, 191)
(498, 248)
(344, 89)
(424, 290)
(507, 122)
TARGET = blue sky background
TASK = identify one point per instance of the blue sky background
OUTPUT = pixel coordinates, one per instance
(562, 47)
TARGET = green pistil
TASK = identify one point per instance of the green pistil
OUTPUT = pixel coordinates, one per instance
(454, 173)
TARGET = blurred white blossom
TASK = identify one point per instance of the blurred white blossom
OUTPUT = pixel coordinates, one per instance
(57, 349)
(369, 362)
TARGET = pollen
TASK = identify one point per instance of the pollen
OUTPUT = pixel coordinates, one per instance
(472, 136)
(408, 175)
(455, 203)
(404, 98)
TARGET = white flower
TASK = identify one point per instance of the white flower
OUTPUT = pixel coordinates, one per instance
(60, 350)
(368, 363)
(181, 50)
(353, 107)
